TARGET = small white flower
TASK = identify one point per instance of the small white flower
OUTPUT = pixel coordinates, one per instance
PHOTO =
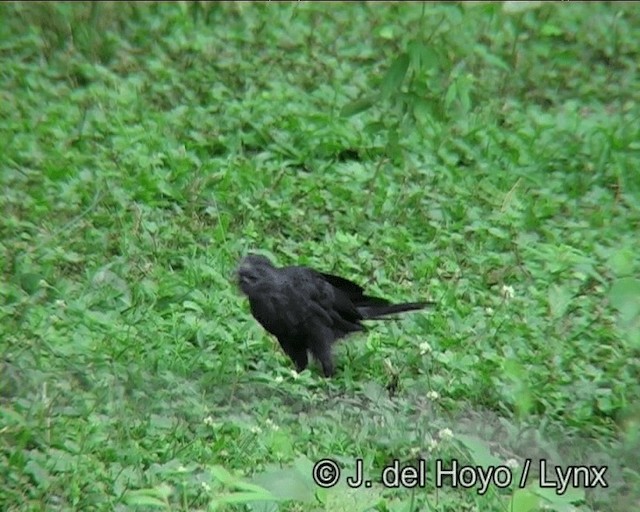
(205, 486)
(445, 434)
(432, 445)
(256, 429)
(512, 463)
(488, 311)
(507, 292)
(271, 424)
(433, 395)
(425, 348)
(295, 374)
(208, 421)
(279, 379)
(59, 303)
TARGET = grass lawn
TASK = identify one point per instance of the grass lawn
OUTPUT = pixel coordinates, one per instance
(485, 156)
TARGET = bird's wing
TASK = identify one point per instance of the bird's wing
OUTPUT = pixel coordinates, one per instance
(305, 303)
(354, 291)
(336, 302)
(281, 310)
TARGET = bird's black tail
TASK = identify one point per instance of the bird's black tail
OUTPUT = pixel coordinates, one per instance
(374, 311)
(369, 307)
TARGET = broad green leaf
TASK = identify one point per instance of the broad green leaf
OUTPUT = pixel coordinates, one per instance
(479, 451)
(559, 299)
(289, 483)
(39, 474)
(360, 105)
(622, 261)
(561, 502)
(153, 497)
(625, 296)
(392, 80)
(30, 282)
(232, 481)
(524, 500)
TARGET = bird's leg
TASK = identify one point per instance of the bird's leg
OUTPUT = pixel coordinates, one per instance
(301, 359)
(327, 367)
(297, 352)
(321, 350)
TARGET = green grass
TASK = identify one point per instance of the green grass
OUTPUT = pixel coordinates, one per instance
(485, 156)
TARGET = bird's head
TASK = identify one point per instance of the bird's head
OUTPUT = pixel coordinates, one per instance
(252, 268)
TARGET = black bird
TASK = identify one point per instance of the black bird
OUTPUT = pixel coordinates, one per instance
(308, 310)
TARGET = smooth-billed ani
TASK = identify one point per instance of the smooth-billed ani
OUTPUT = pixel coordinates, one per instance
(308, 310)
